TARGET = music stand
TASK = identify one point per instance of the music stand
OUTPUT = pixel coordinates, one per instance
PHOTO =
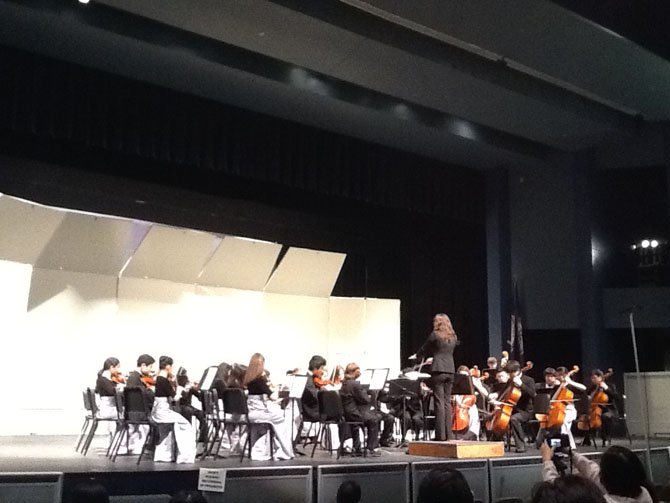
(207, 380)
(404, 389)
(296, 386)
(378, 380)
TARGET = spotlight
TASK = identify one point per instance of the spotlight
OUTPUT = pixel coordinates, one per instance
(654, 243)
(633, 247)
(83, 1)
(645, 243)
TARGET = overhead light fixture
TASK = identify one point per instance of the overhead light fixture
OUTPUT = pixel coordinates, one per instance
(654, 243)
(645, 243)
(83, 1)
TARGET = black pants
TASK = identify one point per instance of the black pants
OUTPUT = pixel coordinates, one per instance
(441, 383)
(517, 423)
(371, 424)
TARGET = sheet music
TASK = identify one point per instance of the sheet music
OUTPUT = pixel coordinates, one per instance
(208, 378)
(378, 379)
(297, 385)
(366, 377)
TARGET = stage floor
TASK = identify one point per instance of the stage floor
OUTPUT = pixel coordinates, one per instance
(57, 454)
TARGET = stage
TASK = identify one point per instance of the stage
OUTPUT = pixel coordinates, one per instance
(52, 462)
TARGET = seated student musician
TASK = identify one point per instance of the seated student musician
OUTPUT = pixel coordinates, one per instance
(356, 404)
(464, 400)
(162, 413)
(142, 378)
(309, 401)
(406, 407)
(110, 380)
(262, 409)
(553, 381)
(106, 387)
(523, 409)
(186, 390)
(609, 408)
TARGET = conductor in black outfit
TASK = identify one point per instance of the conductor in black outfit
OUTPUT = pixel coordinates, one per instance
(440, 345)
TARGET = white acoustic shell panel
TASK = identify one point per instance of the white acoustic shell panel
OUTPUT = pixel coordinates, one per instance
(172, 254)
(25, 228)
(240, 263)
(306, 272)
(92, 243)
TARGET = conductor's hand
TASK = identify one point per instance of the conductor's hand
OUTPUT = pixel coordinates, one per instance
(428, 361)
(546, 452)
(412, 357)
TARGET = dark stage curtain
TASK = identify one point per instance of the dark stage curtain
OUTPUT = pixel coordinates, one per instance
(70, 103)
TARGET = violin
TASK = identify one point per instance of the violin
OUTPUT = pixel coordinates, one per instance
(148, 380)
(559, 401)
(499, 421)
(335, 378)
(118, 378)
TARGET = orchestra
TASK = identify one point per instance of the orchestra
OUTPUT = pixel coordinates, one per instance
(500, 402)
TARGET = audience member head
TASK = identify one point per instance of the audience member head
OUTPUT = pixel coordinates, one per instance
(349, 492)
(89, 492)
(568, 489)
(622, 472)
(256, 368)
(188, 497)
(145, 364)
(444, 485)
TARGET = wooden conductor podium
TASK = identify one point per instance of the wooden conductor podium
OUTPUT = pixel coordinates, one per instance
(457, 449)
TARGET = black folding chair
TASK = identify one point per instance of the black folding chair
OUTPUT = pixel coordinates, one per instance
(237, 414)
(332, 412)
(137, 413)
(94, 420)
(210, 406)
(87, 419)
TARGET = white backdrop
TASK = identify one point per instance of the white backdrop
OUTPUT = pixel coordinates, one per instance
(59, 326)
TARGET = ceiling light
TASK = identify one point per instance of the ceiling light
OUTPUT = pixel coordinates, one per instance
(83, 1)
(645, 243)
(654, 243)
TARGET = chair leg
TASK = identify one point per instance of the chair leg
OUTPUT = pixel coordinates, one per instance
(89, 438)
(318, 434)
(124, 434)
(309, 430)
(272, 443)
(247, 441)
(149, 438)
(82, 433)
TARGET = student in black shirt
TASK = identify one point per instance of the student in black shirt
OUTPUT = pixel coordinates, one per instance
(262, 409)
(162, 413)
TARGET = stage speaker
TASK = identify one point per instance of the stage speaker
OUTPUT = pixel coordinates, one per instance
(476, 473)
(514, 477)
(387, 482)
(31, 487)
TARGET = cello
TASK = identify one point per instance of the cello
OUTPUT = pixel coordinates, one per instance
(597, 399)
(559, 402)
(499, 421)
(460, 414)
